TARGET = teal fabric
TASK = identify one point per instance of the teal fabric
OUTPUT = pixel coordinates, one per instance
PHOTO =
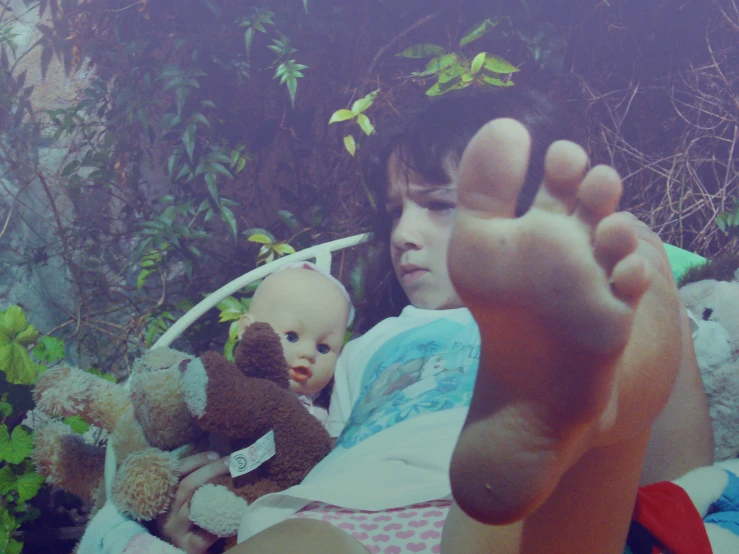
(682, 260)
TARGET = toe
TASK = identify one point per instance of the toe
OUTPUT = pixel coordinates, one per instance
(564, 167)
(614, 239)
(598, 194)
(630, 278)
(493, 169)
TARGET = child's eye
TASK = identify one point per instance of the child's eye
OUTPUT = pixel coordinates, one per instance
(291, 336)
(323, 348)
(441, 206)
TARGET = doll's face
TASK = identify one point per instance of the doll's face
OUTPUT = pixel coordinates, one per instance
(310, 315)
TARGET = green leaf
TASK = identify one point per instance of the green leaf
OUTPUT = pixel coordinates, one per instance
(290, 221)
(28, 486)
(229, 304)
(477, 31)
(497, 64)
(180, 96)
(341, 115)
(219, 168)
(350, 144)
(437, 64)
(7, 479)
(283, 248)
(248, 38)
(366, 125)
(16, 447)
(423, 50)
(212, 189)
(6, 409)
(258, 231)
(497, 82)
(477, 62)
(170, 165)
(451, 73)
(363, 103)
(70, 168)
(142, 278)
(228, 217)
(200, 118)
(292, 87)
(210, 180)
(28, 336)
(49, 349)
(14, 320)
(14, 547)
(17, 364)
(260, 238)
(78, 424)
(188, 139)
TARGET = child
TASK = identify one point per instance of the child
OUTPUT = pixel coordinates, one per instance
(310, 310)
(579, 326)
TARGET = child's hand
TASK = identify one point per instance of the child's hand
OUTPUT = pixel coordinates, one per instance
(175, 526)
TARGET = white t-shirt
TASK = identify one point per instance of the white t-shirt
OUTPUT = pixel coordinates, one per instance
(400, 397)
(309, 403)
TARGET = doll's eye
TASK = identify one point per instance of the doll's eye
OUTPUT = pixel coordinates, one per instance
(323, 348)
(291, 336)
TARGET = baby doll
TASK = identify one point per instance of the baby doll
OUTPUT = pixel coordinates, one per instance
(310, 310)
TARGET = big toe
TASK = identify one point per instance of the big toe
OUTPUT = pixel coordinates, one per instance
(493, 169)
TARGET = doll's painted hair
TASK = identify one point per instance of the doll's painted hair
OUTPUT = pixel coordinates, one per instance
(423, 142)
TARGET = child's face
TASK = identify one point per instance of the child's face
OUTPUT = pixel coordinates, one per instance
(423, 216)
(309, 313)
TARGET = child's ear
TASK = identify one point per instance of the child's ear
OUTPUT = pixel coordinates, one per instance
(244, 322)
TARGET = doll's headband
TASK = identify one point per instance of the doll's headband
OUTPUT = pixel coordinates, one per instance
(314, 267)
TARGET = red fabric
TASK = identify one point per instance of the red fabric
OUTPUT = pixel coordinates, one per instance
(667, 511)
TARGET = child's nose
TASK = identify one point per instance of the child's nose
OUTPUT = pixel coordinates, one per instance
(406, 234)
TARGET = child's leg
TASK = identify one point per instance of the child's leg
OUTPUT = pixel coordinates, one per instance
(578, 351)
(306, 536)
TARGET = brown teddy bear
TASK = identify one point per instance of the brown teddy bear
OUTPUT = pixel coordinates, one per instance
(236, 404)
(246, 404)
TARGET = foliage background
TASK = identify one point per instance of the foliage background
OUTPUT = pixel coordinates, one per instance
(205, 122)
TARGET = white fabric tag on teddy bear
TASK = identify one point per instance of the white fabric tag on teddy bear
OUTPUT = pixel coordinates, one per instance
(248, 459)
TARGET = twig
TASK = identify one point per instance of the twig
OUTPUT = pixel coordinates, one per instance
(396, 38)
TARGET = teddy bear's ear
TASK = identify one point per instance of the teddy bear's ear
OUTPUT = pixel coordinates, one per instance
(259, 354)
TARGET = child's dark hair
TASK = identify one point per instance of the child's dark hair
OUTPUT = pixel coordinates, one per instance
(424, 141)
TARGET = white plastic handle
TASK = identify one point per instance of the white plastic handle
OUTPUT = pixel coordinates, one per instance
(320, 252)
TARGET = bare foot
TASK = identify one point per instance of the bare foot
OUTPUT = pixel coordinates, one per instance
(554, 293)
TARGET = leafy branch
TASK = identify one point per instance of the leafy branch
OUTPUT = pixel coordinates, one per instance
(455, 70)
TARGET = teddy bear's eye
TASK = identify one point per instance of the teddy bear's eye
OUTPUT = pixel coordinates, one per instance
(323, 348)
(707, 313)
(291, 336)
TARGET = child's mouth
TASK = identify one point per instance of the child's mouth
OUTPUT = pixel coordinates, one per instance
(300, 374)
(413, 276)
